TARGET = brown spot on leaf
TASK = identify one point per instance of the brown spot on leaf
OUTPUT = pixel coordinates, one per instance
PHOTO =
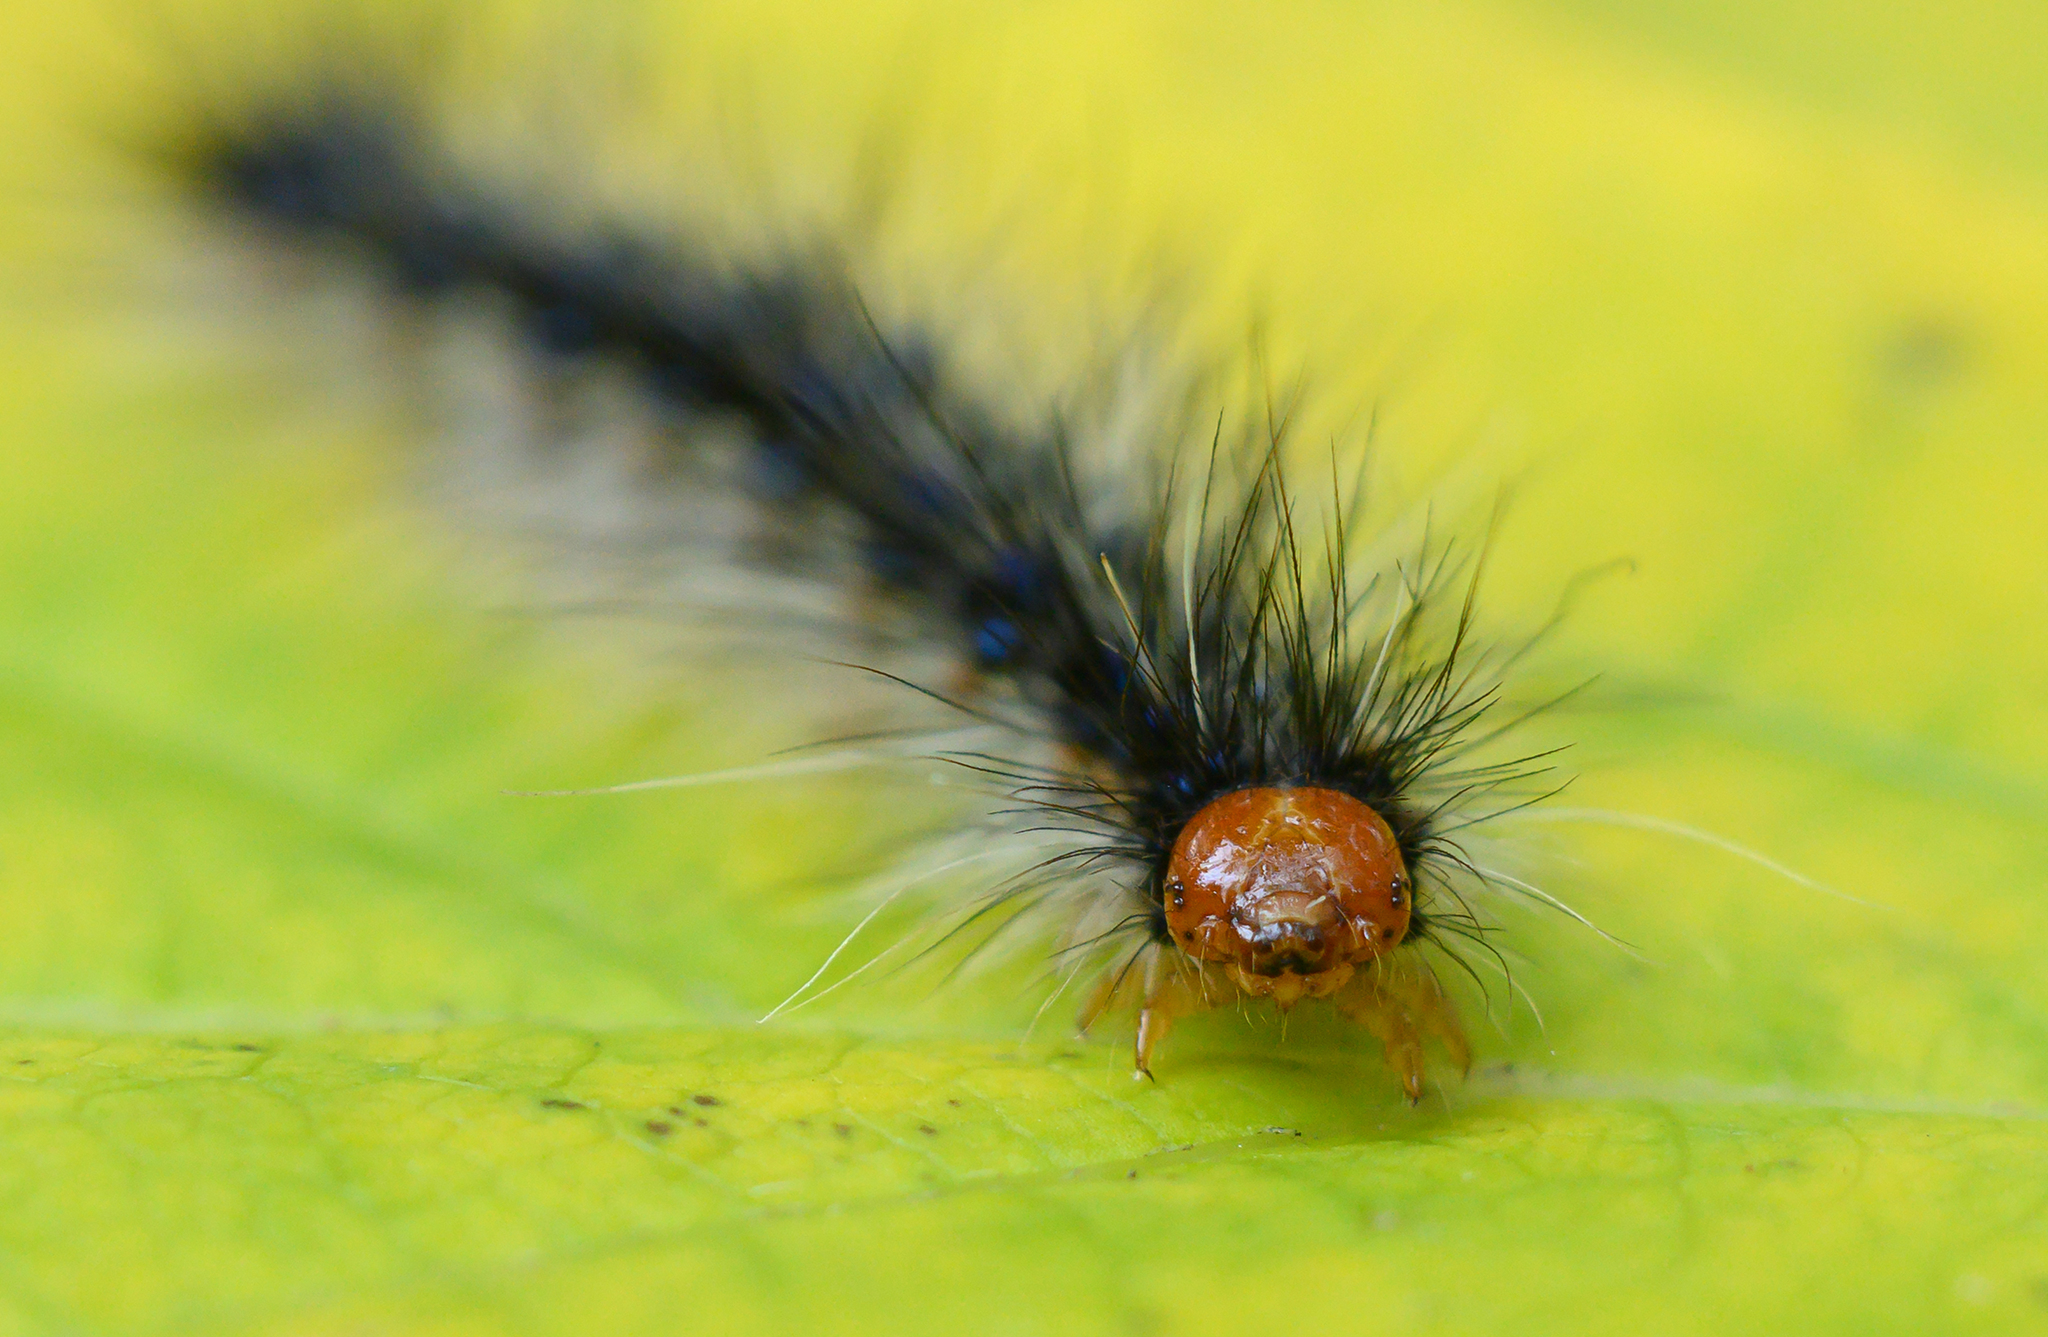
(660, 1129)
(556, 1103)
(707, 1100)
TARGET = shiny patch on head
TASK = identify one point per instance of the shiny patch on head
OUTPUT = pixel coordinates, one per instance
(1288, 889)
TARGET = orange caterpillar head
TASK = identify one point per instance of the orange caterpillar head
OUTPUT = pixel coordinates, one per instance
(1288, 890)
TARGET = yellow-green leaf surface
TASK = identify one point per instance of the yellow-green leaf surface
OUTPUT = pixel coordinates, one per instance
(306, 1026)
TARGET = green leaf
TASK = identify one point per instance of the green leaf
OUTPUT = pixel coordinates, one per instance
(308, 1026)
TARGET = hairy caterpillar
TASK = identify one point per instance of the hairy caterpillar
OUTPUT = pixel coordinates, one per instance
(1254, 739)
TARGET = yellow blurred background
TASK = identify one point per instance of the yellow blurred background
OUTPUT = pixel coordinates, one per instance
(1755, 297)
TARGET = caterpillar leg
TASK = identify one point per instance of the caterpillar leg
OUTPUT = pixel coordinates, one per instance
(1167, 985)
(1404, 1004)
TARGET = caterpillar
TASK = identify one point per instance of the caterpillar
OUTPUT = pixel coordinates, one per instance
(1250, 737)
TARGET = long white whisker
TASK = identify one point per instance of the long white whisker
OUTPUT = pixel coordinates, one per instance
(1066, 978)
(1531, 889)
(849, 977)
(770, 770)
(866, 919)
(1665, 826)
(826, 964)
(1541, 1027)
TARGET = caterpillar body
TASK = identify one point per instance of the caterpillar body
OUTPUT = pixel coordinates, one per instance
(1257, 757)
